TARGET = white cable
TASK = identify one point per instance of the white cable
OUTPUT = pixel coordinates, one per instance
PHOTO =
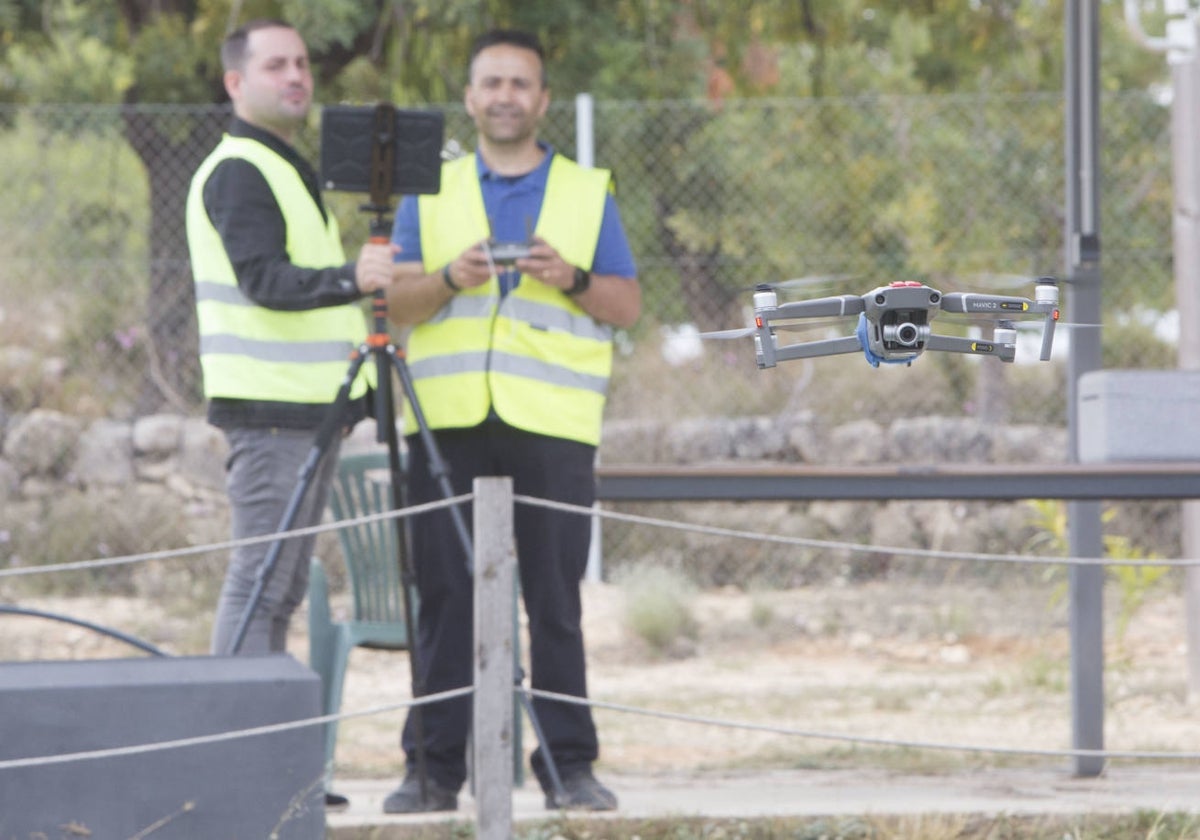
(857, 739)
(200, 740)
(845, 546)
(230, 544)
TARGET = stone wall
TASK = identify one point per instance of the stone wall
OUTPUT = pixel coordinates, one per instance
(43, 451)
(46, 454)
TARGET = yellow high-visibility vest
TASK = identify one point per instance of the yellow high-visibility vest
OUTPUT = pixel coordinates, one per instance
(535, 357)
(248, 351)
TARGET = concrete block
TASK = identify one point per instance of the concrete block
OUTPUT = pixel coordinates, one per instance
(253, 787)
(1139, 415)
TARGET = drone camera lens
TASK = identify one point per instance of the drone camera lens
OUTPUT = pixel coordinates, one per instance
(906, 334)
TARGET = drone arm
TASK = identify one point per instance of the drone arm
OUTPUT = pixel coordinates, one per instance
(976, 347)
(812, 349)
(826, 307)
(1048, 335)
(970, 303)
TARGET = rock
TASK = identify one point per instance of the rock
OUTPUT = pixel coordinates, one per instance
(859, 442)
(105, 454)
(43, 443)
(941, 440)
(10, 481)
(158, 435)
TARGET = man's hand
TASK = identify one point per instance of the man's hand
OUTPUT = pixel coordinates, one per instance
(373, 270)
(545, 264)
(470, 268)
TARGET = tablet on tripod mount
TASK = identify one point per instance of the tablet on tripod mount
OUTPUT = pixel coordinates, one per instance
(350, 139)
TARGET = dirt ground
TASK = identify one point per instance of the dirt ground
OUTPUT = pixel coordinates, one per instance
(970, 666)
(964, 666)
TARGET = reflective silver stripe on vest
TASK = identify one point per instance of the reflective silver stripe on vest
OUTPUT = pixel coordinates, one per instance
(221, 293)
(276, 351)
(542, 316)
(465, 306)
(510, 364)
(551, 374)
(449, 365)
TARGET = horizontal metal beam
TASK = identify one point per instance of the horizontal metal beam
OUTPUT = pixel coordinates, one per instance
(1166, 480)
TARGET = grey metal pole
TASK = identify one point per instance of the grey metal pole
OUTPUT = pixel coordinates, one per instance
(1185, 157)
(1082, 245)
(585, 155)
(492, 727)
(585, 134)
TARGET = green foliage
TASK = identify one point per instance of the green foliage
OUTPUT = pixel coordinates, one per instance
(174, 61)
(1131, 342)
(1134, 582)
(657, 606)
(769, 179)
(419, 47)
(75, 64)
(73, 245)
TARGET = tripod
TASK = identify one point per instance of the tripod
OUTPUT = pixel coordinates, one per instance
(387, 357)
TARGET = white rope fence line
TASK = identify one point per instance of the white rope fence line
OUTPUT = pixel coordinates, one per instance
(868, 740)
(166, 554)
(858, 739)
(710, 530)
(804, 542)
(232, 735)
(685, 718)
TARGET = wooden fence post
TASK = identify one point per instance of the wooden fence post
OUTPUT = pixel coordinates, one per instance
(492, 733)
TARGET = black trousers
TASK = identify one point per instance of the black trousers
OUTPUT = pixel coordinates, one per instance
(552, 549)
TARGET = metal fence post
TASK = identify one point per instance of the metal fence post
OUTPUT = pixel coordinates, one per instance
(1082, 241)
(1185, 157)
(585, 155)
(492, 733)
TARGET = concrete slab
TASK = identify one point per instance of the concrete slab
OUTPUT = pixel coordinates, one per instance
(1123, 789)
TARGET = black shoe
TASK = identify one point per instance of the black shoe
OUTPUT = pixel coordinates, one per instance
(581, 792)
(335, 802)
(407, 798)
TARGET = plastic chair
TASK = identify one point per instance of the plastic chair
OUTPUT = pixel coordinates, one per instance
(373, 574)
(362, 487)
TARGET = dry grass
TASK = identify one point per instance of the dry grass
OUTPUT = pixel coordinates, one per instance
(922, 827)
(914, 661)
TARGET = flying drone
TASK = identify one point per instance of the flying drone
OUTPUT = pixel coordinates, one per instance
(894, 323)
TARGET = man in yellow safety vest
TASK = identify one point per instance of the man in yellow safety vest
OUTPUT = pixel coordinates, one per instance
(513, 278)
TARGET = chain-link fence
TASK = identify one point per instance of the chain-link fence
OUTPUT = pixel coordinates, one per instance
(838, 195)
(832, 196)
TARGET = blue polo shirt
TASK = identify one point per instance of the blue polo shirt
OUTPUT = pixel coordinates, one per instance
(512, 204)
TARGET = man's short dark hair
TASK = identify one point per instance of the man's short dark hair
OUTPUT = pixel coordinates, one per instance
(513, 38)
(233, 48)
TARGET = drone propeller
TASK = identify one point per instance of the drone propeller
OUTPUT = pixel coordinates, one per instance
(805, 282)
(725, 334)
(996, 281)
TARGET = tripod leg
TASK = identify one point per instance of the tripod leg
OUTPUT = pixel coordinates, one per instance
(385, 431)
(329, 426)
(437, 467)
(551, 767)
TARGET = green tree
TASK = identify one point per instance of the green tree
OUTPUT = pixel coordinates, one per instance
(740, 194)
(143, 55)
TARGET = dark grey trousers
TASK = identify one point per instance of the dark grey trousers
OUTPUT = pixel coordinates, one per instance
(262, 473)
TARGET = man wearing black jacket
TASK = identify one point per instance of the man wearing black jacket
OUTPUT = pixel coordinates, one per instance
(277, 304)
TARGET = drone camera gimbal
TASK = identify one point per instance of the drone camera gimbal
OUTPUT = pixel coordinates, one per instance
(895, 323)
